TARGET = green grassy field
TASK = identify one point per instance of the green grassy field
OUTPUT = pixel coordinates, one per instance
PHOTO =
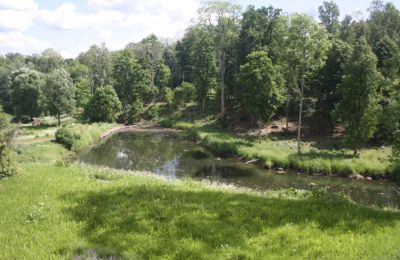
(51, 212)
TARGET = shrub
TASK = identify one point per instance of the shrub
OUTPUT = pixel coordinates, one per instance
(168, 96)
(153, 112)
(7, 164)
(133, 112)
(66, 138)
(185, 93)
(104, 106)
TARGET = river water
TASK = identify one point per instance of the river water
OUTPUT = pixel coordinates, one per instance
(172, 156)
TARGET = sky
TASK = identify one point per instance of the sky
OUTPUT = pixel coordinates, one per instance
(72, 26)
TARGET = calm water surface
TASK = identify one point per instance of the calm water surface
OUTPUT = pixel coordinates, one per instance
(172, 156)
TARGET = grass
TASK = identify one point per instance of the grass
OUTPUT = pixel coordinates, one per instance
(51, 212)
(281, 152)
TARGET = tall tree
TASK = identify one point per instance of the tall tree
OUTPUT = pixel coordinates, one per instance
(204, 64)
(131, 80)
(59, 93)
(149, 52)
(262, 90)
(49, 60)
(28, 97)
(257, 30)
(329, 15)
(98, 60)
(306, 46)
(82, 80)
(163, 75)
(359, 89)
(223, 17)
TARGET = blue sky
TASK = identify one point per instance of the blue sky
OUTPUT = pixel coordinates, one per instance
(71, 26)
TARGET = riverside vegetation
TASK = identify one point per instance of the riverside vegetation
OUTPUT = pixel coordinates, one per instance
(231, 70)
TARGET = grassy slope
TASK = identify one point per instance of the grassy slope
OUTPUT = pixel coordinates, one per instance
(59, 212)
(51, 212)
(282, 152)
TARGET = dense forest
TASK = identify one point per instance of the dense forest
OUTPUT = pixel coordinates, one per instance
(252, 66)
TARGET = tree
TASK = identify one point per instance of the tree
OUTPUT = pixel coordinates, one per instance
(49, 60)
(59, 92)
(223, 17)
(27, 88)
(262, 93)
(329, 15)
(168, 96)
(203, 58)
(149, 52)
(305, 45)
(257, 30)
(98, 60)
(131, 80)
(81, 78)
(5, 89)
(163, 75)
(326, 80)
(359, 90)
(7, 164)
(104, 106)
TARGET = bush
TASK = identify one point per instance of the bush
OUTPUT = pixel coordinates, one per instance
(168, 96)
(185, 93)
(104, 106)
(66, 138)
(7, 164)
(153, 112)
(132, 112)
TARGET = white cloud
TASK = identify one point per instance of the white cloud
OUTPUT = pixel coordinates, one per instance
(65, 17)
(21, 5)
(19, 42)
(16, 20)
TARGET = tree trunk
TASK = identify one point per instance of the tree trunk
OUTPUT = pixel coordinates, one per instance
(259, 129)
(203, 103)
(303, 70)
(221, 61)
(58, 120)
(287, 111)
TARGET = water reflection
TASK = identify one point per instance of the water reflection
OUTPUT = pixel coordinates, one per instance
(171, 156)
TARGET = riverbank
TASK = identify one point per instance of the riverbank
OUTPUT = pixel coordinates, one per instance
(280, 151)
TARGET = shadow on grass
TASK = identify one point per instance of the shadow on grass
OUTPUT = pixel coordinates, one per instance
(158, 220)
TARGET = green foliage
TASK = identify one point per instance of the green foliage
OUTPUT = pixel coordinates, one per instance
(60, 93)
(153, 112)
(104, 106)
(359, 90)
(162, 77)
(262, 93)
(168, 96)
(49, 60)
(184, 93)
(28, 95)
(203, 57)
(98, 61)
(131, 80)
(133, 112)
(65, 137)
(258, 29)
(7, 164)
(80, 75)
(329, 15)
